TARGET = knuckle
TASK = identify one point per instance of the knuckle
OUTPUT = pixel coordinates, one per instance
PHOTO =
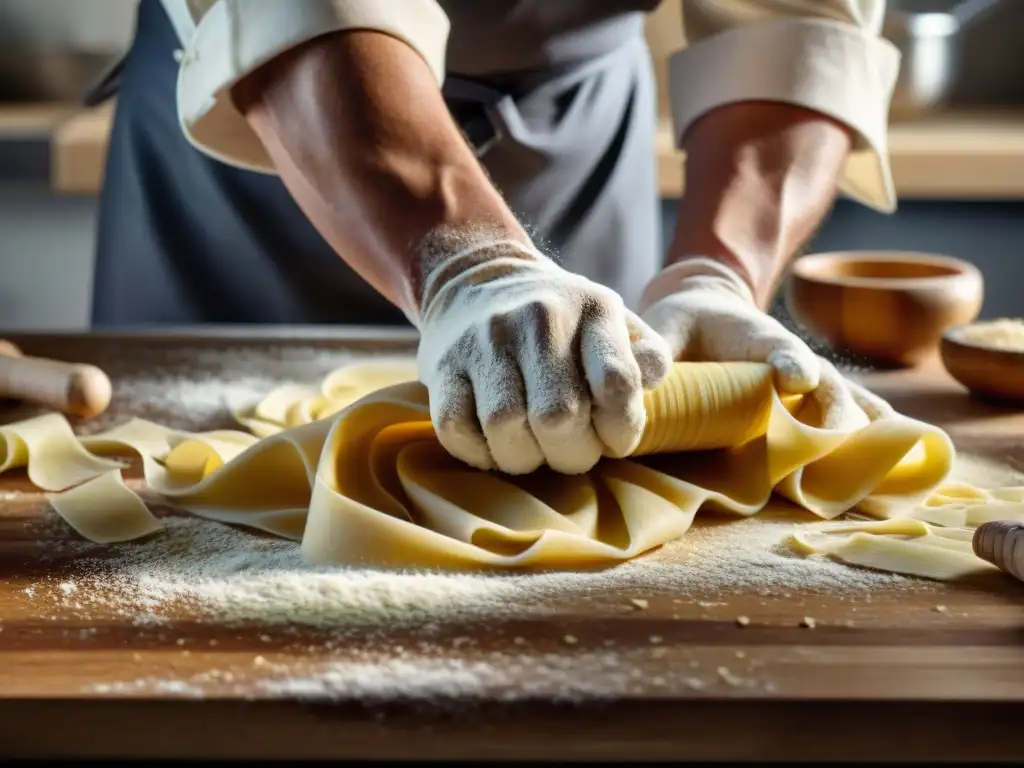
(534, 319)
(652, 355)
(502, 418)
(497, 331)
(538, 310)
(619, 380)
(465, 347)
(449, 422)
(557, 414)
(453, 415)
(601, 302)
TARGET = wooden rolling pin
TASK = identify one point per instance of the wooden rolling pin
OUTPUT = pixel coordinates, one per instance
(1001, 542)
(9, 348)
(72, 388)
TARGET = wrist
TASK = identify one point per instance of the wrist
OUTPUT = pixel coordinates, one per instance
(695, 272)
(760, 272)
(453, 257)
(418, 211)
(756, 270)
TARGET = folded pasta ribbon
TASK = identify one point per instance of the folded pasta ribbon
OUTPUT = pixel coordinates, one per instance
(354, 471)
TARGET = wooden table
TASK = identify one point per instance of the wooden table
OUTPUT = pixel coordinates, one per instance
(903, 681)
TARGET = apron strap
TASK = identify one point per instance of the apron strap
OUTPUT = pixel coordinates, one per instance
(107, 85)
(474, 106)
(109, 82)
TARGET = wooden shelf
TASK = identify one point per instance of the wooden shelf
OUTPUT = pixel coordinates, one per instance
(970, 155)
(30, 121)
(79, 151)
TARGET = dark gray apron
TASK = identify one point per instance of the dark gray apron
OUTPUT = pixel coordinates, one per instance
(184, 239)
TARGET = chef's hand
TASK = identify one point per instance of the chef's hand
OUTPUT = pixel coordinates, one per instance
(705, 311)
(528, 364)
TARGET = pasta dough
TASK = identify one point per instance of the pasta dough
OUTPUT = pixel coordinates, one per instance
(933, 541)
(353, 471)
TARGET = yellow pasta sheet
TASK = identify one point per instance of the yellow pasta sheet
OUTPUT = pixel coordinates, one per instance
(353, 471)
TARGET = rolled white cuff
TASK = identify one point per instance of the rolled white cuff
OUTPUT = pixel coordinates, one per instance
(235, 37)
(826, 66)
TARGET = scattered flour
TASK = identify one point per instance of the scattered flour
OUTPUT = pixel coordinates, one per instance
(228, 575)
(509, 677)
(198, 398)
(388, 678)
(376, 677)
(198, 388)
(150, 685)
(985, 472)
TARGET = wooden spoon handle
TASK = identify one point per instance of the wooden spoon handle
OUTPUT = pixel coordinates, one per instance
(73, 388)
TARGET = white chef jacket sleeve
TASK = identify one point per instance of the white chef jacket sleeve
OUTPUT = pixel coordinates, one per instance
(824, 55)
(224, 40)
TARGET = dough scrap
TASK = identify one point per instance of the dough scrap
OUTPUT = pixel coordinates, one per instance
(105, 510)
(934, 540)
(353, 471)
(290, 405)
(54, 458)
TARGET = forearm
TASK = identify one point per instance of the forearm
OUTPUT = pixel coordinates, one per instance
(760, 177)
(361, 137)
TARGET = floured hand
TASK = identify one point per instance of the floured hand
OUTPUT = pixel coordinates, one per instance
(705, 311)
(528, 364)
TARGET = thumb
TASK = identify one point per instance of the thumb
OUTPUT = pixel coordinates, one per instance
(676, 327)
(797, 369)
(652, 353)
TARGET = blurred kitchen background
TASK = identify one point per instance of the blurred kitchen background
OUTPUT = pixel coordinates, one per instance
(957, 146)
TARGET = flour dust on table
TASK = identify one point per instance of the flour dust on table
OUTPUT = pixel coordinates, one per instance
(226, 575)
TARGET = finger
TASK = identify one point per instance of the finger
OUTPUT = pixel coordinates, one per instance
(557, 402)
(796, 368)
(874, 406)
(501, 410)
(839, 409)
(651, 352)
(615, 381)
(717, 329)
(760, 338)
(676, 327)
(453, 412)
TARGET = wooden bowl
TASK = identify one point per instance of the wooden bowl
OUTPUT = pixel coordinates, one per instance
(987, 371)
(891, 307)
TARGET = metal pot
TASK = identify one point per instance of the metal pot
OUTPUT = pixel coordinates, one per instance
(929, 41)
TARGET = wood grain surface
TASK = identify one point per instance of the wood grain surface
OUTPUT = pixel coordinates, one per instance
(881, 675)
